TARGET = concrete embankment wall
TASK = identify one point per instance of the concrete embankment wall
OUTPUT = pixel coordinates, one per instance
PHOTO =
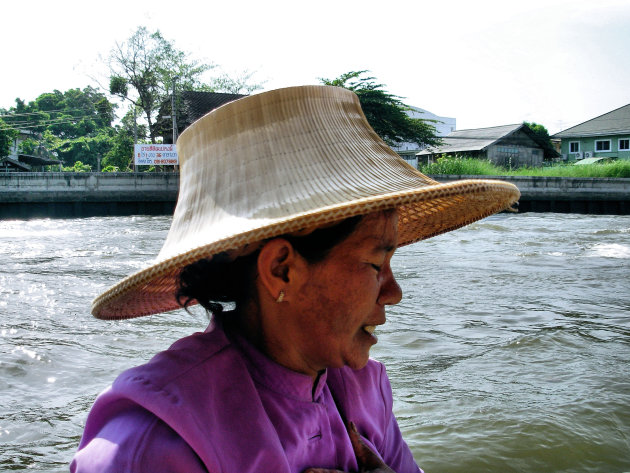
(565, 194)
(48, 194)
(26, 195)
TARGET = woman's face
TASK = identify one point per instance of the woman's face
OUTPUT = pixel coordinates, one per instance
(343, 298)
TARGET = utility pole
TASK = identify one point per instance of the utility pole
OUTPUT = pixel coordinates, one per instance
(174, 116)
(135, 138)
(173, 112)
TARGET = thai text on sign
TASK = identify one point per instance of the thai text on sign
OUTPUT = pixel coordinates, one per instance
(152, 155)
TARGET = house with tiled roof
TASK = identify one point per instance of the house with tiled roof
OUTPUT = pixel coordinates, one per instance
(191, 106)
(605, 137)
(510, 146)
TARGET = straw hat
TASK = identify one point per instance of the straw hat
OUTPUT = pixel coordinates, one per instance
(285, 161)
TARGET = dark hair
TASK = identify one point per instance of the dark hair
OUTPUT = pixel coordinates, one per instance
(213, 281)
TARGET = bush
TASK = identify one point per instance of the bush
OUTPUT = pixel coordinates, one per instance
(78, 167)
(462, 165)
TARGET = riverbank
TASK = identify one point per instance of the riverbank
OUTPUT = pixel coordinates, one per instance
(581, 195)
(479, 167)
(61, 195)
(86, 194)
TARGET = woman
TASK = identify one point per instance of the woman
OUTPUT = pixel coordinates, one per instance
(290, 208)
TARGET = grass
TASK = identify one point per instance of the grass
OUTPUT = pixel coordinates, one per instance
(462, 165)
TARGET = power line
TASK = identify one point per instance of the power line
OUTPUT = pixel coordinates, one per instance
(43, 121)
(27, 120)
(48, 121)
(48, 111)
(21, 127)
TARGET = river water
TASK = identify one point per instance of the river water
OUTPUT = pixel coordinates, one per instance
(510, 351)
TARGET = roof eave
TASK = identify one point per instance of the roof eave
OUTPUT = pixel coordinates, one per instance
(562, 135)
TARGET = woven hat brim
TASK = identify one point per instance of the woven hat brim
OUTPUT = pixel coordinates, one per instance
(424, 212)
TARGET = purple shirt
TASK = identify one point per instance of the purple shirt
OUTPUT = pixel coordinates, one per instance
(214, 404)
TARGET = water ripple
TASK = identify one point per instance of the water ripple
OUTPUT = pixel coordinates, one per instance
(510, 350)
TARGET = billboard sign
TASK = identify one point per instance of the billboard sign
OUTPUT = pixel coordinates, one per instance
(153, 155)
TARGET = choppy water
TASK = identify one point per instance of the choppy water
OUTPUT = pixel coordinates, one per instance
(509, 352)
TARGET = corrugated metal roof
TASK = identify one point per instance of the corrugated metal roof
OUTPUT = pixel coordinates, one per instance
(14, 163)
(612, 123)
(37, 160)
(476, 139)
(586, 161)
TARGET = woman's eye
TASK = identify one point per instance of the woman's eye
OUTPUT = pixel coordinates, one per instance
(376, 267)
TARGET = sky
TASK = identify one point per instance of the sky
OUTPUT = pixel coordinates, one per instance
(483, 62)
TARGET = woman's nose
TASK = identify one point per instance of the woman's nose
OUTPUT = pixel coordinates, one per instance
(391, 293)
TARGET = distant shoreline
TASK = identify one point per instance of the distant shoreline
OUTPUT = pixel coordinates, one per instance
(581, 195)
(68, 195)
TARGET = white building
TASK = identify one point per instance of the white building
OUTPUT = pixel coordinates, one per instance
(443, 126)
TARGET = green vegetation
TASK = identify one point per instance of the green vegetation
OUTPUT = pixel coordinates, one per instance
(146, 69)
(540, 131)
(81, 126)
(462, 165)
(544, 140)
(386, 112)
(70, 126)
(7, 135)
(78, 167)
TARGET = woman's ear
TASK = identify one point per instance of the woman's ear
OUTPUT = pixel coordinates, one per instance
(278, 265)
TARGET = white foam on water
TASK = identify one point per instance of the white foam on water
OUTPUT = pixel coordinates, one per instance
(610, 250)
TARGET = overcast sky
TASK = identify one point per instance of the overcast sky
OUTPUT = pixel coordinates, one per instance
(484, 62)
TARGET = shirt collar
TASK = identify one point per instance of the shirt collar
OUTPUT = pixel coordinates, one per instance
(276, 377)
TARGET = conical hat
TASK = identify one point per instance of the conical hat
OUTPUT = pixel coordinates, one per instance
(284, 161)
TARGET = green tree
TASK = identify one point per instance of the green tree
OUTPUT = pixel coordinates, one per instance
(78, 166)
(386, 112)
(72, 126)
(539, 130)
(25, 116)
(82, 126)
(29, 146)
(7, 136)
(121, 152)
(544, 139)
(241, 84)
(144, 68)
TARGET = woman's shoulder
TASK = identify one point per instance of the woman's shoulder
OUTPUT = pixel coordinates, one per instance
(167, 396)
(135, 440)
(183, 359)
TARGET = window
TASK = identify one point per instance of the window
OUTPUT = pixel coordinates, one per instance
(574, 147)
(624, 144)
(602, 145)
(507, 151)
